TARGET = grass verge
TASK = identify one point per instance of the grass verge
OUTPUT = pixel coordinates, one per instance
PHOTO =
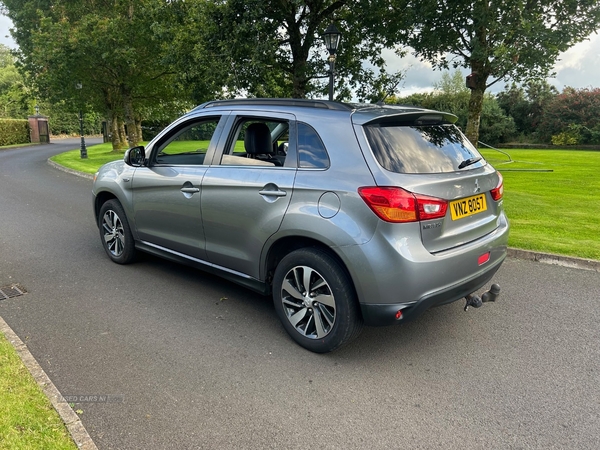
(97, 155)
(554, 212)
(27, 421)
(550, 196)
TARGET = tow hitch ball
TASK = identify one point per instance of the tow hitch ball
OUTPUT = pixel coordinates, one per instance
(490, 296)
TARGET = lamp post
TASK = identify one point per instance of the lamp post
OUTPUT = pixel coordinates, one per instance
(83, 149)
(332, 38)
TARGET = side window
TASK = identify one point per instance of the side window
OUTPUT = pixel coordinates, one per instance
(189, 144)
(258, 142)
(311, 151)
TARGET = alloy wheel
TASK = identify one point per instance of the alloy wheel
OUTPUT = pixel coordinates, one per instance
(114, 237)
(308, 302)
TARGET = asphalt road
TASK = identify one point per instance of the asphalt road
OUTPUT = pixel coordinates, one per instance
(192, 361)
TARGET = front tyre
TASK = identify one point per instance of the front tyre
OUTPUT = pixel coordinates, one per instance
(115, 233)
(315, 300)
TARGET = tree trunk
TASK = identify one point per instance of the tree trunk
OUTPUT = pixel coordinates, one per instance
(138, 125)
(132, 129)
(299, 80)
(117, 129)
(299, 46)
(474, 116)
(122, 134)
(114, 131)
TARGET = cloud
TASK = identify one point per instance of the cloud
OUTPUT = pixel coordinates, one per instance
(419, 75)
(578, 67)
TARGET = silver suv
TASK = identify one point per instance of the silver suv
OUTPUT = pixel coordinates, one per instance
(346, 214)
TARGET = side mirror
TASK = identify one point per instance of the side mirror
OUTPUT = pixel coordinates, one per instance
(135, 156)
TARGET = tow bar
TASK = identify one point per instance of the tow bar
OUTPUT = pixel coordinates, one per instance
(489, 296)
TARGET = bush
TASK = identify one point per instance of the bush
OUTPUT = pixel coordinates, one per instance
(573, 115)
(495, 126)
(14, 131)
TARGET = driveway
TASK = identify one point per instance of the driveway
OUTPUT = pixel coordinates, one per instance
(191, 361)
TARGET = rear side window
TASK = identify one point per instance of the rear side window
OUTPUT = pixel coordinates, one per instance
(311, 151)
(421, 149)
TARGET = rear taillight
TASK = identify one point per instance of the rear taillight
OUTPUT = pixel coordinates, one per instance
(498, 191)
(394, 204)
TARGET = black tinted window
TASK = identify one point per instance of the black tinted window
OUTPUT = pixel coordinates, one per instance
(311, 151)
(420, 149)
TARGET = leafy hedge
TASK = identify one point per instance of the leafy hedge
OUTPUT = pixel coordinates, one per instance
(572, 118)
(14, 131)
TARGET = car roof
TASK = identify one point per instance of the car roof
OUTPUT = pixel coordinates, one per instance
(362, 113)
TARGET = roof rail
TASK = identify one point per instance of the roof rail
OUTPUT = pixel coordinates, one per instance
(308, 103)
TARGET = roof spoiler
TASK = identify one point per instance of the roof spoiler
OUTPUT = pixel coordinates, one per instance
(415, 118)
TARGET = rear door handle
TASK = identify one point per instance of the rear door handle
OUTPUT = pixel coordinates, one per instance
(190, 190)
(277, 193)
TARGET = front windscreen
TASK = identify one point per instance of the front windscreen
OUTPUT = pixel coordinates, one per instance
(421, 149)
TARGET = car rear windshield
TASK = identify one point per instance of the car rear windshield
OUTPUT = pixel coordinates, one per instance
(421, 149)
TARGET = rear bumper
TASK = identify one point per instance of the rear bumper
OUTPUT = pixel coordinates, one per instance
(385, 314)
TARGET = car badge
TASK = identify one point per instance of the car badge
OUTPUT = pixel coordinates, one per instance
(477, 188)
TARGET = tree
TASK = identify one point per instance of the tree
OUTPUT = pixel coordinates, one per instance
(15, 99)
(452, 95)
(526, 104)
(96, 55)
(452, 84)
(497, 40)
(274, 47)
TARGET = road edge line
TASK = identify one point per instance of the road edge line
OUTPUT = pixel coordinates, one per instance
(71, 420)
(89, 176)
(555, 260)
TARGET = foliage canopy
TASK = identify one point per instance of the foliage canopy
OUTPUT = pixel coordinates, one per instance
(499, 40)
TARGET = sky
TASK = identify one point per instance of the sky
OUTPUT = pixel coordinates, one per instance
(578, 67)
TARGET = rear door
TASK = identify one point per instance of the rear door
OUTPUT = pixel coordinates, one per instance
(436, 160)
(245, 196)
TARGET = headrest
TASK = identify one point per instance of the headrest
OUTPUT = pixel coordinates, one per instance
(258, 139)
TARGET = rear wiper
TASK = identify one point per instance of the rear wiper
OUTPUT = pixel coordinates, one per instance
(468, 162)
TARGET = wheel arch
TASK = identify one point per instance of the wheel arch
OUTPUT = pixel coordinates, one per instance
(105, 195)
(100, 199)
(285, 245)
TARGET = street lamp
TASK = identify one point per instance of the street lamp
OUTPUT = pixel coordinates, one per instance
(83, 149)
(332, 38)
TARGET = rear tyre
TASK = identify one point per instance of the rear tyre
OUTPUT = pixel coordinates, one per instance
(115, 233)
(315, 300)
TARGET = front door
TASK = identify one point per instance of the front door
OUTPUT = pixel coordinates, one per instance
(167, 193)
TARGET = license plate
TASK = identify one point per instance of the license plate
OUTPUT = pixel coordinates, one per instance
(467, 206)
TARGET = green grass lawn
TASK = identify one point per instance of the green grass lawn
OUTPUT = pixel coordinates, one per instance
(27, 419)
(103, 153)
(553, 212)
(97, 155)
